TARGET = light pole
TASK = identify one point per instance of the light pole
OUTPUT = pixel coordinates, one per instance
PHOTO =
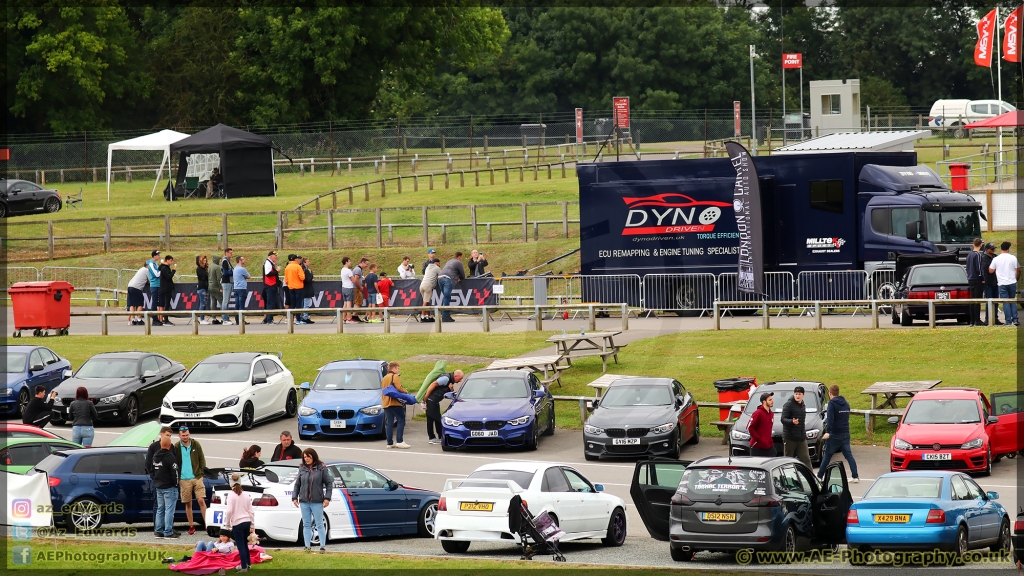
(753, 112)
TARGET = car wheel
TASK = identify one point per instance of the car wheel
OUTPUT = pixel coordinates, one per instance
(961, 546)
(52, 205)
(314, 540)
(425, 526)
(248, 416)
(3, 210)
(291, 405)
(550, 429)
(676, 441)
(531, 446)
(445, 446)
(1003, 543)
(695, 439)
(454, 546)
(789, 540)
(680, 555)
(616, 533)
(131, 413)
(905, 318)
(988, 463)
(84, 514)
(212, 531)
(590, 457)
(963, 319)
(22, 401)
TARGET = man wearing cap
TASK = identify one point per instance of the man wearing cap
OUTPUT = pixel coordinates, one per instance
(431, 254)
(1007, 271)
(271, 286)
(153, 271)
(760, 427)
(991, 285)
(294, 282)
(794, 433)
(191, 466)
(975, 280)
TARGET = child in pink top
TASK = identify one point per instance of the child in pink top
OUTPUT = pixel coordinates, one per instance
(239, 519)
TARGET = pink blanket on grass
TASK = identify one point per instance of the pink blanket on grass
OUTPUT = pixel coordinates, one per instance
(203, 563)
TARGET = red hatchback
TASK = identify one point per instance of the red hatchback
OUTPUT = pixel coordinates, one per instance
(947, 429)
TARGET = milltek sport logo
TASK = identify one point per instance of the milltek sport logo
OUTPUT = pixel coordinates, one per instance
(671, 213)
(825, 245)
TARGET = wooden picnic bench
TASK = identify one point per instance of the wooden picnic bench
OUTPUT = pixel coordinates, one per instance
(870, 415)
(602, 382)
(549, 366)
(575, 346)
(586, 404)
(890, 391)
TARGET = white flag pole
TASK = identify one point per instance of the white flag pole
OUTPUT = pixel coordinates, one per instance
(998, 49)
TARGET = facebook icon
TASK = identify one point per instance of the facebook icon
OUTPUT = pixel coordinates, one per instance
(21, 554)
(21, 532)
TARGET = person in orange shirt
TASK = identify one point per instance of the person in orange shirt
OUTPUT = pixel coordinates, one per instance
(294, 279)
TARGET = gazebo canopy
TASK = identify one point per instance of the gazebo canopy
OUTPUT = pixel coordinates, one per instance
(1012, 119)
(161, 140)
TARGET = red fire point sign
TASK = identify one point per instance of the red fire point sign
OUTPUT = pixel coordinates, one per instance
(579, 125)
(792, 60)
(620, 104)
(736, 118)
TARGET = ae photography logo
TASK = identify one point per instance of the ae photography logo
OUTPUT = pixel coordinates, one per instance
(25, 555)
(21, 508)
(856, 557)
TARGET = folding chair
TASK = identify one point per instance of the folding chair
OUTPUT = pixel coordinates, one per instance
(74, 201)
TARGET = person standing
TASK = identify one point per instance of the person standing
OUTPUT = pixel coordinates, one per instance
(444, 384)
(216, 290)
(384, 286)
(311, 493)
(360, 289)
(136, 298)
(394, 410)
(39, 410)
(452, 273)
(294, 279)
(83, 415)
(371, 291)
(286, 450)
(427, 289)
(153, 271)
(348, 288)
(251, 457)
(431, 256)
(191, 466)
(975, 280)
(991, 284)
(167, 271)
(154, 447)
(837, 433)
(203, 285)
(165, 483)
(794, 432)
(1007, 271)
(307, 289)
(760, 427)
(227, 283)
(406, 271)
(239, 518)
(477, 264)
(271, 286)
(240, 279)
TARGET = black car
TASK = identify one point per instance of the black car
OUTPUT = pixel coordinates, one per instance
(122, 385)
(24, 197)
(641, 416)
(1018, 537)
(814, 402)
(726, 504)
(930, 277)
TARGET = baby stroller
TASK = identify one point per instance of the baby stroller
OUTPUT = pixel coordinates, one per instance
(537, 534)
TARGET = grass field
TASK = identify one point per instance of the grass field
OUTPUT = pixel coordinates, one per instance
(853, 359)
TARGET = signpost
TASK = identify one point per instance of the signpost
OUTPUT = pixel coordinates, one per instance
(753, 110)
(579, 130)
(620, 110)
(736, 118)
(792, 61)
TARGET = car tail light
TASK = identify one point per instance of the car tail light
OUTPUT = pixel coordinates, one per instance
(526, 504)
(921, 295)
(215, 499)
(852, 517)
(53, 481)
(960, 294)
(936, 517)
(442, 504)
(681, 500)
(769, 501)
(1018, 526)
(266, 500)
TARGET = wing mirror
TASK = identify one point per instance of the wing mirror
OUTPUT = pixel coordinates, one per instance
(36, 368)
(391, 485)
(894, 419)
(595, 402)
(259, 380)
(304, 386)
(599, 487)
(67, 374)
(148, 374)
(914, 230)
(992, 495)
(538, 394)
(992, 420)
(449, 395)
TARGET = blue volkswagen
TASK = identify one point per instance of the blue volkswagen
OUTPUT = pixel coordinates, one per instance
(27, 367)
(344, 400)
(498, 408)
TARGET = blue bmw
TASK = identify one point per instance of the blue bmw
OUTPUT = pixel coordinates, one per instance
(925, 511)
(498, 408)
(27, 367)
(344, 400)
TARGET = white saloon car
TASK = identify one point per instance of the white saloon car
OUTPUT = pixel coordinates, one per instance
(475, 509)
(233, 390)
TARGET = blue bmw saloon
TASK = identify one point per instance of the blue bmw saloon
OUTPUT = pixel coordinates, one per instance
(344, 400)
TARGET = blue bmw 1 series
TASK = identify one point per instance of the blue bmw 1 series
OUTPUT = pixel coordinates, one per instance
(28, 367)
(344, 400)
(927, 510)
(498, 408)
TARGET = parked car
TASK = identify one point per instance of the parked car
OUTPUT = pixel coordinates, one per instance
(946, 429)
(233, 390)
(364, 503)
(954, 114)
(1018, 537)
(28, 367)
(344, 400)
(641, 416)
(19, 455)
(814, 401)
(928, 510)
(937, 281)
(498, 408)
(123, 385)
(13, 430)
(726, 504)
(475, 509)
(24, 197)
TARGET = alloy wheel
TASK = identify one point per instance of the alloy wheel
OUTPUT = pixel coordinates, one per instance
(429, 517)
(131, 414)
(52, 205)
(22, 400)
(86, 515)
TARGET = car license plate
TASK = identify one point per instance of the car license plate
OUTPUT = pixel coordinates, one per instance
(625, 441)
(718, 516)
(476, 506)
(337, 423)
(942, 295)
(892, 518)
(941, 456)
(191, 414)
(478, 433)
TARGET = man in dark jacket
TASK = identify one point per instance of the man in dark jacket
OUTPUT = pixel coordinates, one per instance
(286, 450)
(975, 281)
(794, 435)
(991, 284)
(760, 427)
(167, 270)
(227, 282)
(837, 432)
(39, 410)
(444, 384)
(154, 447)
(165, 484)
(452, 273)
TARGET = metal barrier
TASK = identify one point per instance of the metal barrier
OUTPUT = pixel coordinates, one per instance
(613, 288)
(21, 274)
(829, 286)
(777, 286)
(519, 289)
(679, 292)
(100, 280)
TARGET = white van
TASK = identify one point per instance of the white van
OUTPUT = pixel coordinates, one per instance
(953, 114)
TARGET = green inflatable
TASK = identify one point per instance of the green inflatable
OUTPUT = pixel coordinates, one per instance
(440, 368)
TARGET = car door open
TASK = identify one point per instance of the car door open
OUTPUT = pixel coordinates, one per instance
(1004, 436)
(832, 505)
(654, 483)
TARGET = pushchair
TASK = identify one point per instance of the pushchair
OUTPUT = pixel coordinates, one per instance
(537, 534)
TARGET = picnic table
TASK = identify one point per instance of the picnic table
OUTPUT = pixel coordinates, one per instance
(549, 366)
(574, 346)
(604, 381)
(890, 391)
(869, 416)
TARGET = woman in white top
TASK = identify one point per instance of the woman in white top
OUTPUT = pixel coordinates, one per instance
(427, 288)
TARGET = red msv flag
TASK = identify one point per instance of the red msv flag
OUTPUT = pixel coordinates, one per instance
(986, 32)
(1011, 35)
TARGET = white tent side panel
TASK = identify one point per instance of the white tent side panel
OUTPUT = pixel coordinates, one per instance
(161, 140)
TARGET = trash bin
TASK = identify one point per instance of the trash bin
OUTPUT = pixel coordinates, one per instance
(41, 306)
(958, 176)
(731, 390)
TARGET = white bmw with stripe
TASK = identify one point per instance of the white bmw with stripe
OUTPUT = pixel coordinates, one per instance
(364, 503)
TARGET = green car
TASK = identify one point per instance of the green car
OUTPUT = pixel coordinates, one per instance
(19, 455)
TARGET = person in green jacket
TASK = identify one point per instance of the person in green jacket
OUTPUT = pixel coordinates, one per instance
(191, 464)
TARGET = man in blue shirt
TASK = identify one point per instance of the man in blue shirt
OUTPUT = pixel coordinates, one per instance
(153, 271)
(837, 433)
(191, 465)
(240, 277)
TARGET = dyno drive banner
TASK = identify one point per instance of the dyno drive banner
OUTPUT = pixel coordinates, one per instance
(746, 205)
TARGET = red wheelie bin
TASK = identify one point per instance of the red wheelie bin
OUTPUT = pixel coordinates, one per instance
(41, 307)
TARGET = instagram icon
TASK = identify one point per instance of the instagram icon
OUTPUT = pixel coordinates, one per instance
(21, 508)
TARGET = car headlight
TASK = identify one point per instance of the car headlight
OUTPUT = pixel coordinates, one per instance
(737, 435)
(8, 391)
(306, 411)
(451, 422)
(111, 399)
(976, 443)
(166, 404)
(663, 428)
(901, 445)
(371, 410)
(812, 434)
(593, 429)
(228, 402)
(519, 421)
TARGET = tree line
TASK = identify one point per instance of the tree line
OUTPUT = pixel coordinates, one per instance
(105, 65)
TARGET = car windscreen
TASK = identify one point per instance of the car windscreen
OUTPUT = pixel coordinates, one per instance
(523, 479)
(926, 411)
(938, 275)
(486, 388)
(634, 395)
(952, 226)
(285, 474)
(729, 481)
(16, 362)
(780, 398)
(218, 372)
(905, 486)
(96, 368)
(48, 464)
(347, 380)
